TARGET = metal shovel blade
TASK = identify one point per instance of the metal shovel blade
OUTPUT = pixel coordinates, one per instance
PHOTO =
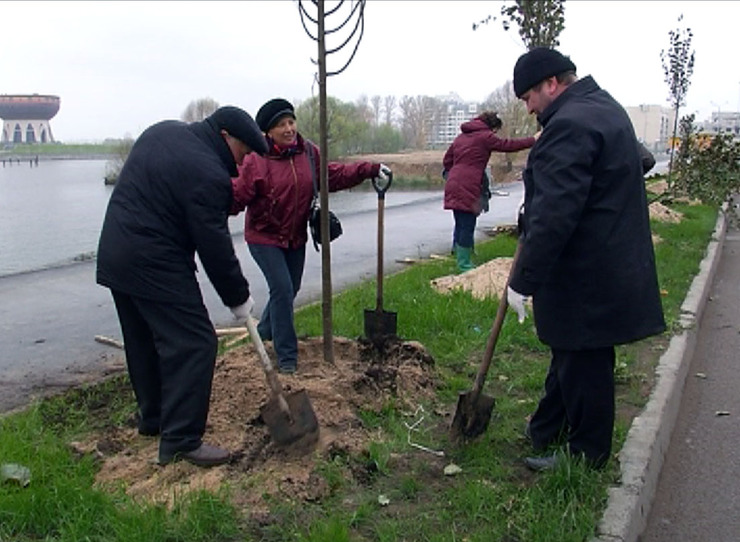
(473, 415)
(289, 417)
(297, 428)
(380, 325)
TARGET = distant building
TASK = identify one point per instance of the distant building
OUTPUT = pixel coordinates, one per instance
(722, 122)
(444, 124)
(653, 125)
(26, 117)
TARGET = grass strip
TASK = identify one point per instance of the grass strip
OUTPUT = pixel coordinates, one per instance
(494, 498)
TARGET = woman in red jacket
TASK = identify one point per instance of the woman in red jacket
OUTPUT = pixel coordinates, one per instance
(277, 191)
(464, 164)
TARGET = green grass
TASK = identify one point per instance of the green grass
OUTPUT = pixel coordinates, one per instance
(494, 498)
(59, 149)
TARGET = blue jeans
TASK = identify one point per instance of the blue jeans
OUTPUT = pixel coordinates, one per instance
(464, 231)
(283, 271)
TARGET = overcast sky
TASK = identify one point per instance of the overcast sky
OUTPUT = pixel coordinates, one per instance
(121, 66)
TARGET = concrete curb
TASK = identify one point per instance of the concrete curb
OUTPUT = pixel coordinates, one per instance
(641, 458)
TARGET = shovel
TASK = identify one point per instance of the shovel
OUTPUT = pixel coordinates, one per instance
(379, 324)
(474, 408)
(290, 419)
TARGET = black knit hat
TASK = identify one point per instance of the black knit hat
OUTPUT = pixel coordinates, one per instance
(239, 124)
(270, 113)
(537, 65)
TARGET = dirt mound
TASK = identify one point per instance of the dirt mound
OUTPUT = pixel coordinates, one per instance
(362, 377)
(660, 212)
(411, 165)
(487, 280)
(428, 164)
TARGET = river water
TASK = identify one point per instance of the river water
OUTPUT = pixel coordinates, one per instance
(51, 214)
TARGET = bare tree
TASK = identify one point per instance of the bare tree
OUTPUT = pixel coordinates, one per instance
(364, 109)
(513, 113)
(416, 113)
(199, 109)
(375, 101)
(678, 66)
(389, 107)
(352, 33)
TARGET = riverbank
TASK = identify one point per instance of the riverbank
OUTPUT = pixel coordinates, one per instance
(21, 160)
(59, 151)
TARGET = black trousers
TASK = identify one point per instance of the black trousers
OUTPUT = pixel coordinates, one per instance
(578, 404)
(170, 355)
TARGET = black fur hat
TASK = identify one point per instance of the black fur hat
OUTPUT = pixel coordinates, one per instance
(537, 65)
(273, 111)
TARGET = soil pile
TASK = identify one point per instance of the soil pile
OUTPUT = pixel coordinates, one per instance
(487, 280)
(660, 212)
(362, 377)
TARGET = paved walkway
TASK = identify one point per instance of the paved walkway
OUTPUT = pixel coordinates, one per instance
(680, 463)
(698, 494)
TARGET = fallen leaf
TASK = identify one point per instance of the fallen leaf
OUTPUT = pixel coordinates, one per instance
(452, 469)
(383, 500)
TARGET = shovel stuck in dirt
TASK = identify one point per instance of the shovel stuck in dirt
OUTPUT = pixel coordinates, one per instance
(290, 418)
(473, 413)
(380, 324)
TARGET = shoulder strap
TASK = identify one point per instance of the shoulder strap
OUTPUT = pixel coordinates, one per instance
(310, 149)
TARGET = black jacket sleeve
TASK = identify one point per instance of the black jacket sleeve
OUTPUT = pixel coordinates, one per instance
(647, 158)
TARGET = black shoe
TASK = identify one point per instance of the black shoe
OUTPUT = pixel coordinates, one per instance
(287, 368)
(539, 464)
(205, 455)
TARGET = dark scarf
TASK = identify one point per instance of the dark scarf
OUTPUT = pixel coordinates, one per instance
(286, 151)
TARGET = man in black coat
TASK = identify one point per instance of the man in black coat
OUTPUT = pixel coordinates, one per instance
(172, 200)
(586, 257)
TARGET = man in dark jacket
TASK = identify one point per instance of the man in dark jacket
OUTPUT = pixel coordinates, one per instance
(172, 200)
(587, 256)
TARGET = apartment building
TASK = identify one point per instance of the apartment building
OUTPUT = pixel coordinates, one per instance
(653, 125)
(444, 123)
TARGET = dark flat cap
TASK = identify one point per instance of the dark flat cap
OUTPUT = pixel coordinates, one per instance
(537, 65)
(271, 112)
(239, 124)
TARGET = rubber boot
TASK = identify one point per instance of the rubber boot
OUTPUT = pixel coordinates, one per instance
(464, 262)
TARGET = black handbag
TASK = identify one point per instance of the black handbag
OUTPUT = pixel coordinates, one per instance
(314, 215)
(314, 224)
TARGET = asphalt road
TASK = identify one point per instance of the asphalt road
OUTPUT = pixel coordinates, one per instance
(49, 319)
(698, 493)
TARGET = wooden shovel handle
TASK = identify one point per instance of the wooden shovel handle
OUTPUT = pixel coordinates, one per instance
(498, 322)
(379, 281)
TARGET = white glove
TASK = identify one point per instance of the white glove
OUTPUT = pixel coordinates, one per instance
(516, 302)
(384, 172)
(243, 311)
